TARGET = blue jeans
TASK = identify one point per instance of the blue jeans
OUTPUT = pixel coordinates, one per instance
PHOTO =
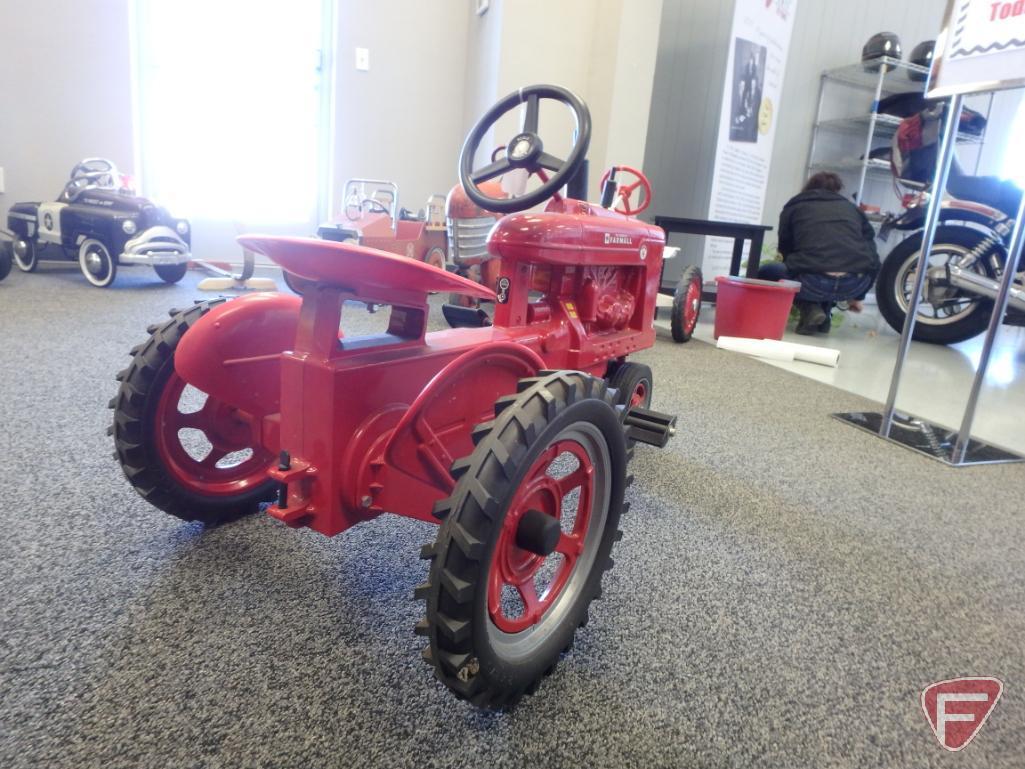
(818, 287)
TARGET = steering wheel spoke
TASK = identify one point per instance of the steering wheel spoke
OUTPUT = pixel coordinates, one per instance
(530, 113)
(550, 162)
(491, 170)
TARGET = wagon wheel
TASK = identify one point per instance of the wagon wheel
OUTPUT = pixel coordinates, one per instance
(686, 304)
(196, 462)
(525, 538)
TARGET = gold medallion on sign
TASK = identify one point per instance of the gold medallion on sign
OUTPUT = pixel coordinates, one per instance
(765, 116)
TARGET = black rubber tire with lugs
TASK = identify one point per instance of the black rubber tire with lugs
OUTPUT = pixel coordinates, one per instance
(134, 410)
(459, 647)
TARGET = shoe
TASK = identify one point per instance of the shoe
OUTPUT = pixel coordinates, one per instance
(827, 324)
(812, 317)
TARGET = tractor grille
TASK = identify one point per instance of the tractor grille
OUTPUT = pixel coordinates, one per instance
(467, 239)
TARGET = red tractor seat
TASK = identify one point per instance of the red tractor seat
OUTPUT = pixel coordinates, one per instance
(358, 269)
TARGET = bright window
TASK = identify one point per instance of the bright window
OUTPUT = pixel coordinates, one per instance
(232, 107)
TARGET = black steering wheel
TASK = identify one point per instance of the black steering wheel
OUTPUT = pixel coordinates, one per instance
(525, 150)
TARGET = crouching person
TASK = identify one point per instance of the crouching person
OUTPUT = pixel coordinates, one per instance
(827, 245)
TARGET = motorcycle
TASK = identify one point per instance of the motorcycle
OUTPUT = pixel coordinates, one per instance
(966, 263)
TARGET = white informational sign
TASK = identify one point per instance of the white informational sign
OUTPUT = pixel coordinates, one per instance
(981, 48)
(747, 122)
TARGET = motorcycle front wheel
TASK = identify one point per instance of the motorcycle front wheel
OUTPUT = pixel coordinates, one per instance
(946, 314)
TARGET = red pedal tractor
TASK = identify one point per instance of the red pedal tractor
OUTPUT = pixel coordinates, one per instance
(515, 437)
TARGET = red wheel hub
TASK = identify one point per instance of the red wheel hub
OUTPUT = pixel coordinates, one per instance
(227, 429)
(518, 568)
(639, 395)
(691, 305)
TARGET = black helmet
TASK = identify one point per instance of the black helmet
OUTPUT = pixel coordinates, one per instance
(879, 45)
(921, 55)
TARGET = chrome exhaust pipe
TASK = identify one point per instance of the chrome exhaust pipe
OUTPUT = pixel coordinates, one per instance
(988, 287)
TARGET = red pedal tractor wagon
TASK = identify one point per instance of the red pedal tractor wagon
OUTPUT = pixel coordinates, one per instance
(514, 437)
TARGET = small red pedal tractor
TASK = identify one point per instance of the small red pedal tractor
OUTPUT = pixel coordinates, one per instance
(514, 437)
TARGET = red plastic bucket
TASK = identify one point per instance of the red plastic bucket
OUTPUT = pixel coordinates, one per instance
(752, 308)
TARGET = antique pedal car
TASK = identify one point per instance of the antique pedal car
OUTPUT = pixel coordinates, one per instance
(103, 224)
(371, 217)
(515, 437)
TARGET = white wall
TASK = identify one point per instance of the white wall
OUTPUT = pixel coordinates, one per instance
(66, 93)
(402, 120)
(602, 50)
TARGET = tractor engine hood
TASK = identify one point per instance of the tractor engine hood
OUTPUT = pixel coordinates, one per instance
(569, 229)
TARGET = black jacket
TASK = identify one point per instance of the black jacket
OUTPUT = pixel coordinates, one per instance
(822, 231)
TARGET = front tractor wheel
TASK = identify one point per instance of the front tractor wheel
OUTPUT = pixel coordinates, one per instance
(686, 304)
(184, 451)
(632, 383)
(525, 538)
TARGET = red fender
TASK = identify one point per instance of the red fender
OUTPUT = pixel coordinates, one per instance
(233, 352)
(435, 430)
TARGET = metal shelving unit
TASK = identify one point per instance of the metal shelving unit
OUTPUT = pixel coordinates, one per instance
(893, 76)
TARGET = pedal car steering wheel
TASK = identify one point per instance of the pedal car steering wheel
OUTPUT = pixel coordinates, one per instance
(367, 204)
(624, 191)
(525, 150)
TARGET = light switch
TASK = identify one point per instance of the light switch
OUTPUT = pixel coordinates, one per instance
(363, 59)
(2, 188)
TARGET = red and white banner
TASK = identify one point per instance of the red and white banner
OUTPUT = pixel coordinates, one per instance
(981, 47)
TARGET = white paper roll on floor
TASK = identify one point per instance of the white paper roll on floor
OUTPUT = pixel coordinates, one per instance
(763, 348)
(773, 349)
(824, 356)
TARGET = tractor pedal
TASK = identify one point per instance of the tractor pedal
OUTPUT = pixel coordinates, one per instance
(649, 426)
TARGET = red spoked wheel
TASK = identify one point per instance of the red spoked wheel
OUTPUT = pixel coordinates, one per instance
(186, 453)
(525, 538)
(209, 450)
(686, 304)
(531, 535)
(625, 191)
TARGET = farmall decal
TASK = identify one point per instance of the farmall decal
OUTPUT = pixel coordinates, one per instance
(615, 239)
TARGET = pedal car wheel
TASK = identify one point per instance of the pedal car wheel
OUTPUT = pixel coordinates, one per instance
(170, 273)
(633, 383)
(435, 257)
(6, 258)
(196, 462)
(525, 538)
(686, 304)
(26, 255)
(98, 266)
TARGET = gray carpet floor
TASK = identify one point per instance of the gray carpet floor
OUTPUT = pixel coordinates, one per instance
(786, 587)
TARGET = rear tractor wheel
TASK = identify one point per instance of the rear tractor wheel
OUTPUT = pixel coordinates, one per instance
(184, 451)
(525, 538)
